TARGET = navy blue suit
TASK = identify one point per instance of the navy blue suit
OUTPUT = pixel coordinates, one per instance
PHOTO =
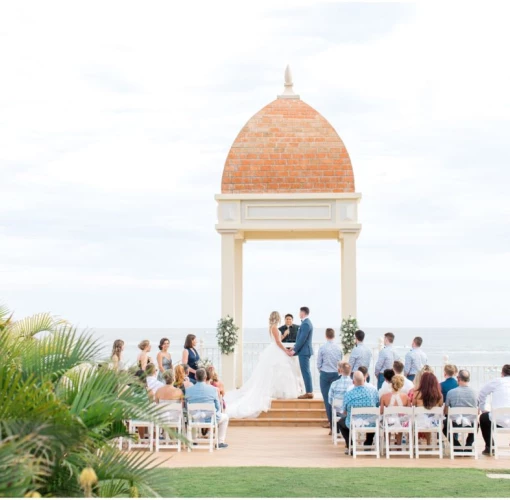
(303, 350)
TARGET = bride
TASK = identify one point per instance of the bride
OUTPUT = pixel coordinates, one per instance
(276, 376)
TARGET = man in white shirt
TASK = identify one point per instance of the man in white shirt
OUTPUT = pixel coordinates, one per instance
(398, 368)
(500, 390)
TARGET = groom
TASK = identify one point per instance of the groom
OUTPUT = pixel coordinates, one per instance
(303, 350)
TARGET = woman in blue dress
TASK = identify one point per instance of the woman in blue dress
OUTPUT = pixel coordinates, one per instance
(190, 356)
(164, 358)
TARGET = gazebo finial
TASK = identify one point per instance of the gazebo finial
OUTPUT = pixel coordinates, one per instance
(288, 91)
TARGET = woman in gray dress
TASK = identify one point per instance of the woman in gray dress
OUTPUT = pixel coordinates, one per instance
(164, 358)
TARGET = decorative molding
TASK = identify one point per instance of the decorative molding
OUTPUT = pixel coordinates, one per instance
(273, 211)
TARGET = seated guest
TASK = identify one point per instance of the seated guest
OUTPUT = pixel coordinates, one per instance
(386, 358)
(398, 368)
(214, 380)
(370, 387)
(358, 397)
(168, 392)
(288, 330)
(450, 371)
(416, 383)
(500, 390)
(328, 358)
(428, 394)
(340, 386)
(203, 393)
(386, 387)
(153, 384)
(394, 398)
(461, 397)
(181, 381)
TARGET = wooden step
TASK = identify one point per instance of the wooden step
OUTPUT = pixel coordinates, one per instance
(298, 404)
(294, 413)
(278, 422)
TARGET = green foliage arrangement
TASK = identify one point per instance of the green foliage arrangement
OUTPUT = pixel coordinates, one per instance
(348, 328)
(61, 412)
(226, 334)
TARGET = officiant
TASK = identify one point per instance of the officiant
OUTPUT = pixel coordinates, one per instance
(289, 330)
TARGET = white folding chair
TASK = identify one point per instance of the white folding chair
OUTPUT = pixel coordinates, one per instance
(398, 420)
(202, 416)
(336, 408)
(428, 422)
(500, 418)
(466, 420)
(363, 421)
(172, 418)
(134, 428)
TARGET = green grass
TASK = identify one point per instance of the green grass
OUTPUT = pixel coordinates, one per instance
(341, 482)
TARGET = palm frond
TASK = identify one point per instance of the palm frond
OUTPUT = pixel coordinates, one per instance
(32, 325)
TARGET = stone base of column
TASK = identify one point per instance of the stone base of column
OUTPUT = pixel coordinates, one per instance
(228, 371)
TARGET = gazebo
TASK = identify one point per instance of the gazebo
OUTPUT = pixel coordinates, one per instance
(287, 176)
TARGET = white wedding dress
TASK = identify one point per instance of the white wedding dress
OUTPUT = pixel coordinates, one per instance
(276, 376)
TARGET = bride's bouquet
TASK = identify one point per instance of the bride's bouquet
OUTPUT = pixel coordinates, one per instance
(226, 334)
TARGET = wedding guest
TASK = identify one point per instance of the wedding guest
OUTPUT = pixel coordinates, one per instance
(416, 383)
(387, 356)
(361, 355)
(163, 358)
(203, 393)
(143, 358)
(187, 381)
(214, 380)
(461, 397)
(328, 358)
(428, 395)
(398, 368)
(394, 398)
(168, 392)
(415, 359)
(500, 390)
(289, 330)
(153, 384)
(190, 356)
(117, 353)
(357, 397)
(181, 380)
(340, 386)
(386, 387)
(450, 371)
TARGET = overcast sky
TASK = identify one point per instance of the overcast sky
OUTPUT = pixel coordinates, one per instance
(116, 119)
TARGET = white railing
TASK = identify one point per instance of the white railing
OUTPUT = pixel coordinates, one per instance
(480, 374)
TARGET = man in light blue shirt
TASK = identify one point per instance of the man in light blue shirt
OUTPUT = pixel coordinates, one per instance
(328, 358)
(341, 386)
(415, 359)
(361, 355)
(203, 393)
(386, 359)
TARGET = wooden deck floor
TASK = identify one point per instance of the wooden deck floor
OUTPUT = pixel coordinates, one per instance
(304, 447)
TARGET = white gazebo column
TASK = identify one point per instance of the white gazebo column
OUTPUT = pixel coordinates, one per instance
(238, 308)
(348, 248)
(228, 268)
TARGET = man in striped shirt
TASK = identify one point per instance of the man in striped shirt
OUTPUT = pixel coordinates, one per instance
(415, 359)
(386, 359)
(361, 354)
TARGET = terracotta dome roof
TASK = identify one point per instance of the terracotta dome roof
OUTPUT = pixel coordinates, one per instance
(288, 147)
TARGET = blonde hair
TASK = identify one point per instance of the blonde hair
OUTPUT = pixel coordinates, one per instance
(211, 374)
(397, 382)
(143, 344)
(169, 377)
(274, 318)
(150, 369)
(180, 375)
(117, 348)
(417, 378)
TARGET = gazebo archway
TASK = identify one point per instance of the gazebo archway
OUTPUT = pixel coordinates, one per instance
(287, 176)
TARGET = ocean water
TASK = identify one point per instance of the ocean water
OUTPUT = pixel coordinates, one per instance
(463, 346)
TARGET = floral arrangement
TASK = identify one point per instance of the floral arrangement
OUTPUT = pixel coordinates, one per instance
(205, 363)
(349, 327)
(226, 334)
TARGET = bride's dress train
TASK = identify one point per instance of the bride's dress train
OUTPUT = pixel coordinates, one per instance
(276, 376)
